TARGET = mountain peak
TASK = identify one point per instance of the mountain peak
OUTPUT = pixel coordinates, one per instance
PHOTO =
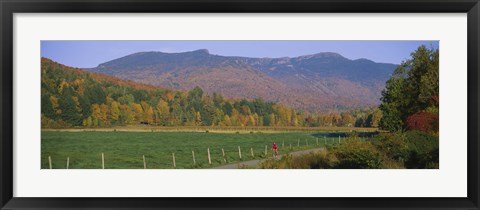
(328, 55)
(322, 55)
(201, 51)
(364, 60)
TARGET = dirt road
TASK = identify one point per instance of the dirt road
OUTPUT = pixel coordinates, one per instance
(255, 162)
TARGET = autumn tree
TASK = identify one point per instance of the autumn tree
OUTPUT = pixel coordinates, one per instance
(104, 114)
(272, 119)
(115, 111)
(227, 121)
(163, 111)
(198, 118)
(137, 112)
(127, 116)
(149, 115)
(347, 120)
(96, 114)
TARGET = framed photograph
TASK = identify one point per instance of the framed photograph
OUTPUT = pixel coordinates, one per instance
(239, 105)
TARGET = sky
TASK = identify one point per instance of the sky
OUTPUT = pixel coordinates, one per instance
(88, 54)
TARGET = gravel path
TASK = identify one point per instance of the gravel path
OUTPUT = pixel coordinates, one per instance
(255, 162)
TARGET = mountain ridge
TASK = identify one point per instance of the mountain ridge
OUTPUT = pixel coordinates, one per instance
(317, 82)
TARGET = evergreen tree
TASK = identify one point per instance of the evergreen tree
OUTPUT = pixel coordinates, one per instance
(69, 109)
(47, 106)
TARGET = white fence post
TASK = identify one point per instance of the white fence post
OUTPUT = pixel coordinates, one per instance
(50, 162)
(103, 161)
(193, 155)
(144, 162)
(224, 158)
(209, 160)
(174, 164)
(239, 152)
(68, 162)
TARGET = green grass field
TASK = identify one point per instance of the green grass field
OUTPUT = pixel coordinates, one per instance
(124, 150)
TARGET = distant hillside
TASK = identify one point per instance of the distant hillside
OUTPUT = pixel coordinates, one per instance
(72, 97)
(319, 82)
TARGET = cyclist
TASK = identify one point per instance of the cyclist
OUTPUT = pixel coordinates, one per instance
(275, 150)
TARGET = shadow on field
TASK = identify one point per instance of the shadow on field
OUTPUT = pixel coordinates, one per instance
(345, 134)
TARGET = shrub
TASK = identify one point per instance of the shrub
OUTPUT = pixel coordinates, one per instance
(394, 146)
(412, 149)
(423, 150)
(315, 160)
(423, 121)
(356, 154)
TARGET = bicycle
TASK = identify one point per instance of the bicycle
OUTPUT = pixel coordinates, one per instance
(275, 153)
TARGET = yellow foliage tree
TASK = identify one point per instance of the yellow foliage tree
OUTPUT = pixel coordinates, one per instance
(227, 121)
(198, 118)
(137, 112)
(115, 111)
(149, 115)
(104, 114)
(56, 107)
(163, 111)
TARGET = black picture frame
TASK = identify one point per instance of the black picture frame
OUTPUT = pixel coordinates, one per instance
(10, 7)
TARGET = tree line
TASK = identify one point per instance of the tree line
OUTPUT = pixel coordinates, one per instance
(410, 100)
(71, 97)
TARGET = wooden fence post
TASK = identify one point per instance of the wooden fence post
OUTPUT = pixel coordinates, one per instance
(209, 160)
(193, 155)
(103, 161)
(239, 152)
(174, 164)
(251, 150)
(50, 162)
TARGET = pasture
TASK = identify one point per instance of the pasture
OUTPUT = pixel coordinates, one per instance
(125, 150)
